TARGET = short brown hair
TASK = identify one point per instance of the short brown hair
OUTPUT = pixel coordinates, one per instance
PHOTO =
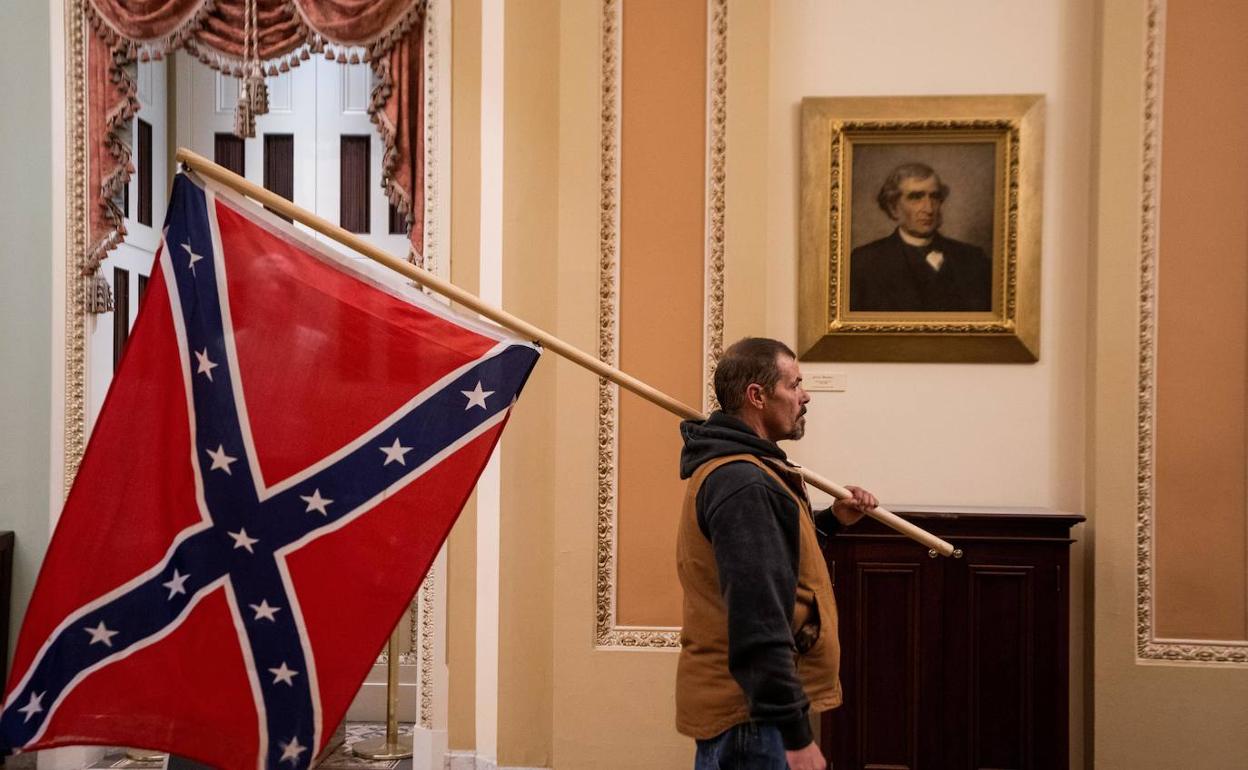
(747, 361)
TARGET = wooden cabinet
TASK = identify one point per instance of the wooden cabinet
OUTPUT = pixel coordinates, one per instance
(953, 663)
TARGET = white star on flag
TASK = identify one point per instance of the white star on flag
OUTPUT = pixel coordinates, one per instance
(242, 541)
(220, 460)
(205, 365)
(283, 674)
(316, 502)
(194, 257)
(34, 706)
(476, 396)
(394, 453)
(101, 634)
(292, 750)
(264, 610)
(177, 585)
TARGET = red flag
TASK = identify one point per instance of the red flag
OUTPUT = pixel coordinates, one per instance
(286, 436)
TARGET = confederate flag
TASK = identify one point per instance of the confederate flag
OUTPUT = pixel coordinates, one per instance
(288, 436)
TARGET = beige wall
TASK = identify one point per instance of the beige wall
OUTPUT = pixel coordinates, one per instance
(946, 433)
(612, 709)
(970, 434)
(662, 250)
(1202, 326)
(1148, 714)
(530, 289)
(1058, 433)
(461, 546)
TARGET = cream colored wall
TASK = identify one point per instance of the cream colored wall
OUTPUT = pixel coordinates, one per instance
(1016, 430)
(461, 633)
(611, 709)
(530, 290)
(1147, 715)
(1010, 434)
(971, 434)
(947, 433)
(28, 31)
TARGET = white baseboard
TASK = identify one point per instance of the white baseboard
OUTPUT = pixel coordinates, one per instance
(428, 749)
(468, 760)
(68, 757)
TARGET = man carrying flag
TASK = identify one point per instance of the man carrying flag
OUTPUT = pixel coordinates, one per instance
(285, 433)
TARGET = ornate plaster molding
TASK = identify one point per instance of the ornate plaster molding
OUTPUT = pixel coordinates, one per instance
(607, 632)
(1147, 645)
(717, 80)
(75, 256)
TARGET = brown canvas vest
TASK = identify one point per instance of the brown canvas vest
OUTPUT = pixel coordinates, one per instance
(708, 699)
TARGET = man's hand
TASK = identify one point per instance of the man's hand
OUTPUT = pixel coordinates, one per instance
(850, 510)
(809, 758)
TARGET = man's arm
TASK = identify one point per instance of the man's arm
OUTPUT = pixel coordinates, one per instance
(754, 531)
(845, 513)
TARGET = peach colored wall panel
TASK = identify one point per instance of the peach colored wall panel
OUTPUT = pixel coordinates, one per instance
(662, 245)
(1201, 518)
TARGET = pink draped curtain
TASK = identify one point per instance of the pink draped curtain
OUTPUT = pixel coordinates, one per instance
(287, 32)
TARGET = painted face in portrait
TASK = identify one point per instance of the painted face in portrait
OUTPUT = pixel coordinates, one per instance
(784, 411)
(917, 210)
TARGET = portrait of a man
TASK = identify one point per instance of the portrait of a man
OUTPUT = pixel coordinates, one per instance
(920, 234)
(916, 267)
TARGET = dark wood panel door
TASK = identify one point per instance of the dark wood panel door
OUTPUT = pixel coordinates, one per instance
(953, 663)
(889, 625)
(1006, 653)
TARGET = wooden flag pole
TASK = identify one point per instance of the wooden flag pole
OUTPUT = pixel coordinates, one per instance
(277, 203)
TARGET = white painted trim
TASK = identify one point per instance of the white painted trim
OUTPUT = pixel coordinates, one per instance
(60, 144)
(428, 749)
(491, 291)
(468, 760)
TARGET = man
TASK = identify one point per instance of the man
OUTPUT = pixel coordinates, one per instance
(759, 644)
(916, 268)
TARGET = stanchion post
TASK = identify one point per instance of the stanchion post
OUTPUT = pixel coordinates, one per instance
(392, 745)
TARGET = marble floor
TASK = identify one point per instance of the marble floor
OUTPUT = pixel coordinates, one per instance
(340, 758)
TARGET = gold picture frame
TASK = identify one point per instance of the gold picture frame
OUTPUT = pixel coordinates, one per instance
(863, 295)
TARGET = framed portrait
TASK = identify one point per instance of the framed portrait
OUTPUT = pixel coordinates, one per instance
(920, 229)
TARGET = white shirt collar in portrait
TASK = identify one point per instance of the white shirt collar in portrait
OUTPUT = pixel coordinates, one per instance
(934, 258)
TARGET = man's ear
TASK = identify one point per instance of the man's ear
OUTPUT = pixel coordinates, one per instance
(754, 395)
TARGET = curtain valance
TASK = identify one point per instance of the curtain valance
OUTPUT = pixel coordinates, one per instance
(252, 39)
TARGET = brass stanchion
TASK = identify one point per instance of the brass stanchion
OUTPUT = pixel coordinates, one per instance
(393, 745)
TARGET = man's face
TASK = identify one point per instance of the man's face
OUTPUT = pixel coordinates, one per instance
(917, 211)
(784, 410)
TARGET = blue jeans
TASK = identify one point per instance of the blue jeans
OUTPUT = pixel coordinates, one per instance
(747, 746)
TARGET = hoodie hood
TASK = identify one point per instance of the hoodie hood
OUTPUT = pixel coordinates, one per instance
(720, 435)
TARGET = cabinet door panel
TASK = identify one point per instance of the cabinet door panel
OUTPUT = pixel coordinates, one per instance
(1004, 648)
(953, 663)
(889, 625)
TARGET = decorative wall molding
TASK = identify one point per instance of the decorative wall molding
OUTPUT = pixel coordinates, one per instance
(76, 283)
(717, 145)
(430, 257)
(1148, 646)
(607, 632)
